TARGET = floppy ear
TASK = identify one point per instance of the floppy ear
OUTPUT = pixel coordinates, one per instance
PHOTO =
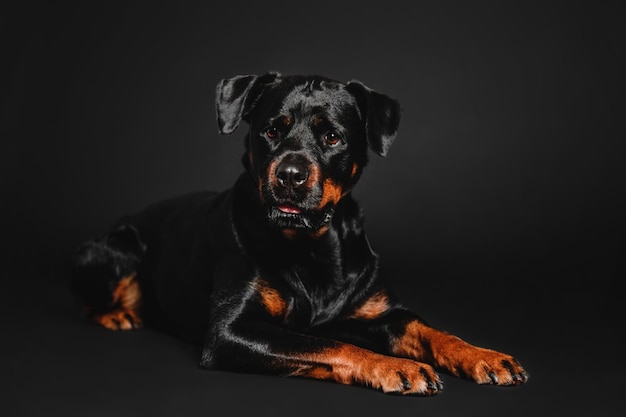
(236, 96)
(381, 115)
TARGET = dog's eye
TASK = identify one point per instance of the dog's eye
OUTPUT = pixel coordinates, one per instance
(271, 132)
(332, 139)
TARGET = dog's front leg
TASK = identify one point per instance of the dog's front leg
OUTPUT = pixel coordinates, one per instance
(450, 353)
(263, 348)
(250, 333)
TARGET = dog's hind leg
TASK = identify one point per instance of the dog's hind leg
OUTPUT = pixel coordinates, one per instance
(105, 278)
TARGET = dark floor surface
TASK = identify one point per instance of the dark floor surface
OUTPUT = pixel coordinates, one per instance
(55, 363)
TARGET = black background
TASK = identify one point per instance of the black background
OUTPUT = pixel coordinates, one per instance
(498, 213)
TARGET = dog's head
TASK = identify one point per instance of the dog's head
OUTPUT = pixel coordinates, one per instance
(308, 140)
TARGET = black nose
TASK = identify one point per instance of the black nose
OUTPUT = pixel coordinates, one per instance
(291, 174)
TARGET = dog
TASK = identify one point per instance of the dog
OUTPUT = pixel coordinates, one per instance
(276, 275)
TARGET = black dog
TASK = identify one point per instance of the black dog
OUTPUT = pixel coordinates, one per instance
(276, 275)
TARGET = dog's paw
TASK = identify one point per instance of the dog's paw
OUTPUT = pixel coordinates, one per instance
(487, 366)
(120, 319)
(404, 376)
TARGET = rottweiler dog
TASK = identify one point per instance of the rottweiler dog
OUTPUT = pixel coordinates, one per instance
(276, 275)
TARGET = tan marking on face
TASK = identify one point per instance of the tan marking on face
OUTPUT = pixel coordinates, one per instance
(271, 172)
(318, 120)
(355, 168)
(314, 175)
(272, 300)
(331, 192)
(373, 307)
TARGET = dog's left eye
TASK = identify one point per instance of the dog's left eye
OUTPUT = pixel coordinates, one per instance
(332, 139)
(271, 132)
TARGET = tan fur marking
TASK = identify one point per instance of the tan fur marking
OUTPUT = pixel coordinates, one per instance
(119, 319)
(261, 190)
(127, 293)
(290, 233)
(453, 354)
(321, 231)
(271, 172)
(271, 298)
(293, 233)
(349, 364)
(331, 192)
(373, 307)
(126, 305)
(355, 168)
(314, 176)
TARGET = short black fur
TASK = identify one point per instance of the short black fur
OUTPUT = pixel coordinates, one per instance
(276, 274)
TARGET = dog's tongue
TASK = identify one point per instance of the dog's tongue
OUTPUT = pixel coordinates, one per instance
(286, 208)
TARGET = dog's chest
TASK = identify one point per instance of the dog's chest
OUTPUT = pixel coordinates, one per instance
(314, 293)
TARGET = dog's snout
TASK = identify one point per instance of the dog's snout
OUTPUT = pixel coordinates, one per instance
(291, 174)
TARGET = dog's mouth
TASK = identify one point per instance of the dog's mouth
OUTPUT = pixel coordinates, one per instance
(291, 216)
(289, 209)
(293, 193)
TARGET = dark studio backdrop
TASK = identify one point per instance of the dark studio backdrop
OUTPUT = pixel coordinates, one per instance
(498, 213)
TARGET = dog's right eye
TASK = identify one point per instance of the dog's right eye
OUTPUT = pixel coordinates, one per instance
(271, 132)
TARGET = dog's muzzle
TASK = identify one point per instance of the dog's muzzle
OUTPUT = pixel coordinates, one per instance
(294, 192)
(293, 178)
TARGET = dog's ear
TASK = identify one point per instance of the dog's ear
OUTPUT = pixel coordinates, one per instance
(235, 98)
(381, 114)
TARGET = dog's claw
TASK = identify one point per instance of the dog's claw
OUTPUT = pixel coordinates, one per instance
(130, 320)
(436, 385)
(494, 377)
(406, 384)
(518, 377)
